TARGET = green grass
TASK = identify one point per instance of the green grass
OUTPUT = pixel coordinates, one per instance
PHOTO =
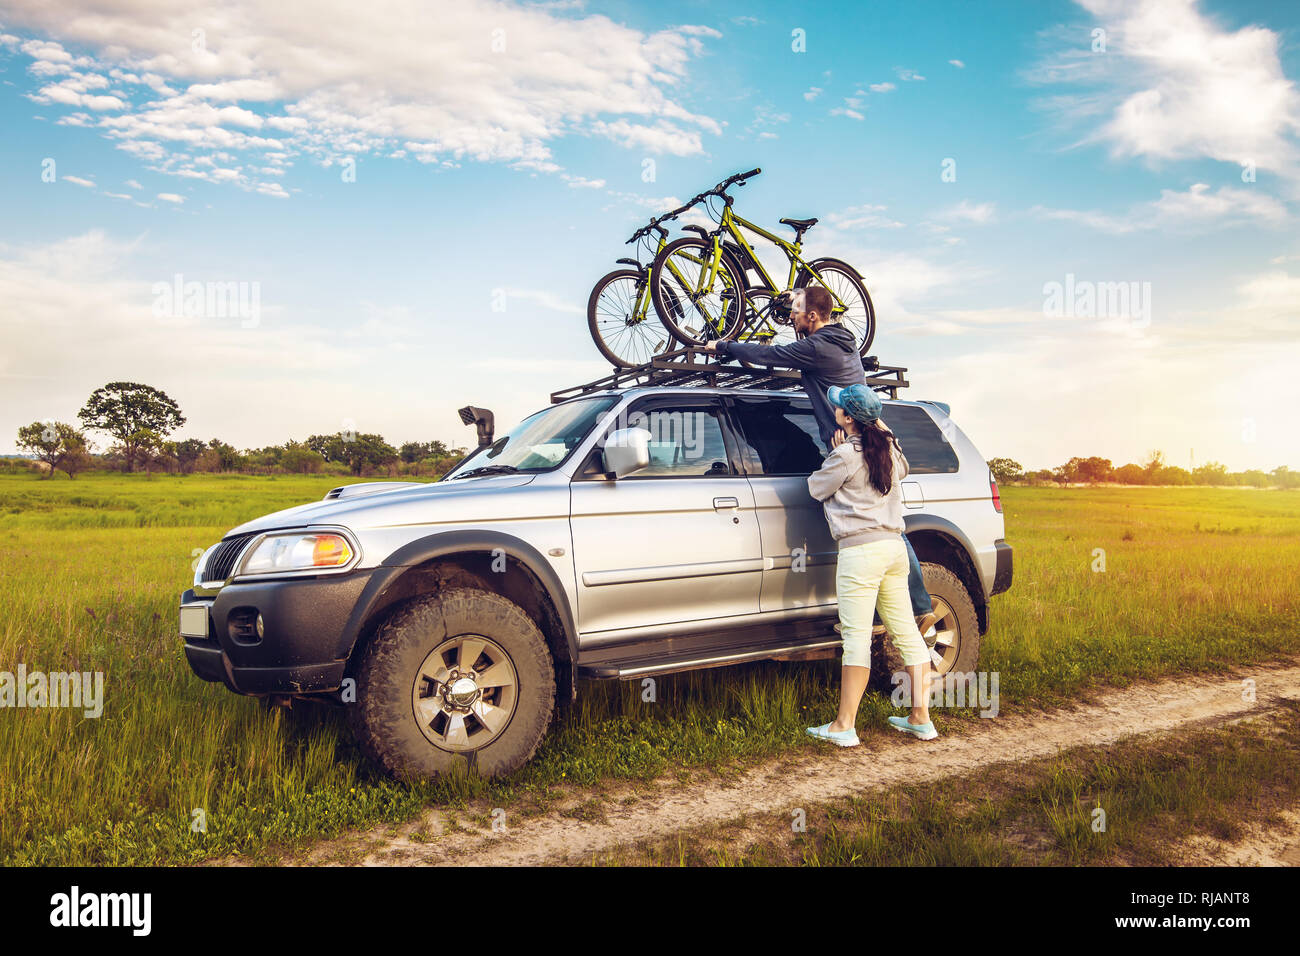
(90, 572)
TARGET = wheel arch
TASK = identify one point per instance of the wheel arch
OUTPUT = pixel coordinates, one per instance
(468, 559)
(939, 541)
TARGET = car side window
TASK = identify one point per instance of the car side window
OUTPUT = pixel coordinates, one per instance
(686, 440)
(779, 436)
(927, 451)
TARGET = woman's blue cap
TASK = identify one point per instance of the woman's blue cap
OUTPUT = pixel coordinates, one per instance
(860, 402)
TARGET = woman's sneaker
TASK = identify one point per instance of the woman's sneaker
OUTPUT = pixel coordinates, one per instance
(843, 738)
(923, 731)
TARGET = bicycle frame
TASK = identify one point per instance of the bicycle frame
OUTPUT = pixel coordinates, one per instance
(643, 301)
(731, 225)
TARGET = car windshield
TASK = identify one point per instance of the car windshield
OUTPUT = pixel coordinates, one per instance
(540, 442)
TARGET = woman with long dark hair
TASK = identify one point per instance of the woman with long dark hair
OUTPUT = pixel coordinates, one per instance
(860, 487)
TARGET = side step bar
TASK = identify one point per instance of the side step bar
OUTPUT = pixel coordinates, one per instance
(634, 669)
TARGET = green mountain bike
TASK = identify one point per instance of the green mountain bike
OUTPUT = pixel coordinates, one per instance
(623, 323)
(701, 290)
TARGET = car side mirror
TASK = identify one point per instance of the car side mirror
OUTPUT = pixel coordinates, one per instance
(626, 451)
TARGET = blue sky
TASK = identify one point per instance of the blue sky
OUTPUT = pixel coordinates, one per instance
(501, 154)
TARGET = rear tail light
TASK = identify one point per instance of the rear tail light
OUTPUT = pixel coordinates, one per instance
(997, 498)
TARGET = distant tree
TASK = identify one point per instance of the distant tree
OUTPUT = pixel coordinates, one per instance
(1095, 469)
(76, 455)
(146, 449)
(299, 459)
(1155, 461)
(329, 447)
(128, 411)
(1253, 478)
(1006, 470)
(1284, 477)
(1210, 473)
(57, 444)
(413, 451)
(187, 453)
(43, 441)
(1173, 475)
(358, 451)
(368, 451)
(219, 456)
(1130, 475)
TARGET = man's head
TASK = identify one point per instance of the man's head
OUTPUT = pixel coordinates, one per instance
(811, 309)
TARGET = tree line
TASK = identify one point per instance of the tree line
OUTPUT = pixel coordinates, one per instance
(138, 418)
(1154, 471)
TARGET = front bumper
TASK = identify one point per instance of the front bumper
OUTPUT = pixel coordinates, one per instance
(306, 637)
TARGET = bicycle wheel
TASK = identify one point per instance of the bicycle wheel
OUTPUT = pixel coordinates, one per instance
(623, 326)
(692, 308)
(843, 281)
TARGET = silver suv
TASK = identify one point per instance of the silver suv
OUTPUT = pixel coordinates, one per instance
(625, 533)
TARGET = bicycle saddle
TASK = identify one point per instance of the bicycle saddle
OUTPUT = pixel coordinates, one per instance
(800, 226)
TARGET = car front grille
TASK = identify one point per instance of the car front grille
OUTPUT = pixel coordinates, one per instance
(222, 562)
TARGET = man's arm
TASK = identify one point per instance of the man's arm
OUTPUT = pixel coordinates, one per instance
(801, 354)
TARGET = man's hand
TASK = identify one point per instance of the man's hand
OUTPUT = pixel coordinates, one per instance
(709, 347)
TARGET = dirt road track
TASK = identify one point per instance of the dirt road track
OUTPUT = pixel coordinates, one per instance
(638, 811)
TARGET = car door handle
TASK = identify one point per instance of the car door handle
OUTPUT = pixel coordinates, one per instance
(722, 504)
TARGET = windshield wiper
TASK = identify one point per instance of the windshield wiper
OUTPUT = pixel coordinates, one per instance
(488, 470)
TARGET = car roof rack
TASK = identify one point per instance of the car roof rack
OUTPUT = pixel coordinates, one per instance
(695, 367)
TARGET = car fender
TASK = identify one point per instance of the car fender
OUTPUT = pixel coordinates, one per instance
(445, 543)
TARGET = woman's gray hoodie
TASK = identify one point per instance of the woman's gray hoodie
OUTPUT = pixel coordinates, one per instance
(855, 510)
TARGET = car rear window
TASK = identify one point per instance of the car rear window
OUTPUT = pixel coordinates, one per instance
(779, 436)
(927, 451)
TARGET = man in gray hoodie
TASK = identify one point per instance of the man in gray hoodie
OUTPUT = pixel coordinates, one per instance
(826, 354)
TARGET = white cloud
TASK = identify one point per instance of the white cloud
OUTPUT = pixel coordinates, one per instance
(882, 87)
(545, 299)
(1196, 208)
(908, 76)
(479, 80)
(134, 184)
(171, 197)
(866, 216)
(966, 211)
(813, 93)
(581, 182)
(958, 64)
(78, 181)
(1175, 84)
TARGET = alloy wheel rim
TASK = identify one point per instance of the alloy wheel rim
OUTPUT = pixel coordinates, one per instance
(465, 693)
(947, 636)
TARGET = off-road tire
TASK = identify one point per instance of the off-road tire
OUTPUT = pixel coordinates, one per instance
(383, 717)
(944, 586)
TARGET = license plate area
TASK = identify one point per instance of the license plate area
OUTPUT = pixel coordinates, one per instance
(194, 620)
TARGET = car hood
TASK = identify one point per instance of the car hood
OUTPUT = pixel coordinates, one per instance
(363, 507)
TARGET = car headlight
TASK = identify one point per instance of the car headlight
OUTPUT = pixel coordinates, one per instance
(202, 563)
(302, 551)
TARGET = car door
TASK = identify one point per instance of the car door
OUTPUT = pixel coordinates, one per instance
(673, 543)
(780, 447)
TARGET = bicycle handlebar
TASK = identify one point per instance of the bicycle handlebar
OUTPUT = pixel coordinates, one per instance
(645, 230)
(717, 190)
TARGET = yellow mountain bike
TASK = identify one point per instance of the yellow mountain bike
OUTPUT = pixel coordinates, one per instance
(701, 290)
